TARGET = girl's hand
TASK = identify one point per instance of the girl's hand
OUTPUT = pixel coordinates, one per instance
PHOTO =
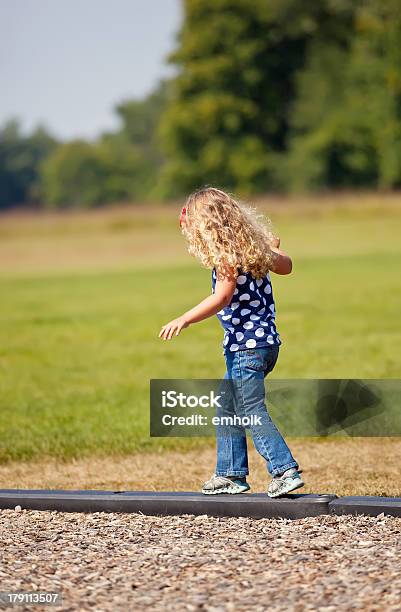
(222, 296)
(173, 328)
(275, 241)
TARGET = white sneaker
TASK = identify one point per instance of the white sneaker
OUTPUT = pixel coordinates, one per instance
(289, 481)
(221, 484)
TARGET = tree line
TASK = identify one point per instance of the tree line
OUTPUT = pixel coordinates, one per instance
(282, 95)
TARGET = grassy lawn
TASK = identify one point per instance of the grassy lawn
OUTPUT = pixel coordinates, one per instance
(83, 297)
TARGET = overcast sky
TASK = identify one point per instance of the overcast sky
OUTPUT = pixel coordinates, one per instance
(67, 63)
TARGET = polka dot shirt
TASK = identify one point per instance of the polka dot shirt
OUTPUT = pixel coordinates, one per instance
(249, 320)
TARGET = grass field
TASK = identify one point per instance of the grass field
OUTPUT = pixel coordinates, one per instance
(83, 296)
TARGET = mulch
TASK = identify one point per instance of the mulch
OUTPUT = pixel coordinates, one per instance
(104, 561)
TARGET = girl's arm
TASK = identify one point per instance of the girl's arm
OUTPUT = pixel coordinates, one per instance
(282, 263)
(222, 296)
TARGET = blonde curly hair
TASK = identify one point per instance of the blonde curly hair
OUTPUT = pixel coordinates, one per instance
(225, 234)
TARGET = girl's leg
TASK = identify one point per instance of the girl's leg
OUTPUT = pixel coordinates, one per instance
(232, 453)
(253, 366)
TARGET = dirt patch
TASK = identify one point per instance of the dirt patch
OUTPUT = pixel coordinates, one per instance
(355, 466)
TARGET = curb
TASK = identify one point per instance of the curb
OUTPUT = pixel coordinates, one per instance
(257, 505)
(368, 505)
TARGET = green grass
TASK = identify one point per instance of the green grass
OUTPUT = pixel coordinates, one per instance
(79, 347)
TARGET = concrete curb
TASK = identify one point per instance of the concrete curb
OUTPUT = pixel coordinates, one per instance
(159, 503)
(368, 505)
(257, 505)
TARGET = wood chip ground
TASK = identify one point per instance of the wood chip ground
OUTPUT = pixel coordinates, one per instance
(114, 562)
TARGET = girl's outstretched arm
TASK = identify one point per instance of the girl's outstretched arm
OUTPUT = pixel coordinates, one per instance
(222, 296)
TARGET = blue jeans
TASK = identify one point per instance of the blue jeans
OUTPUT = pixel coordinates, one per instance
(246, 371)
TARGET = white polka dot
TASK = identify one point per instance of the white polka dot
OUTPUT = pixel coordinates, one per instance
(261, 311)
(259, 332)
(250, 343)
(248, 325)
(231, 329)
(271, 307)
(241, 280)
(254, 303)
(270, 339)
(259, 281)
(234, 306)
(239, 336)
(254, 317)
(234, 347)
(236, 291)
(251, 286)
(225, 340)
(273, 331)
(268, 276)
(267, 289)
(245, 311)
(264, 323)
(226, 317)
(221, 312)
(244, 296)
(236, 321)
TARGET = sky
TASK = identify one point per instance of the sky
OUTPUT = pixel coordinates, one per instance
(67, 63)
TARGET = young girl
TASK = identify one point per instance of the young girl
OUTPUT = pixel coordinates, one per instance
(228, 238)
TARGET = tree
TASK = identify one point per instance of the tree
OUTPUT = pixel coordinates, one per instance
(140, 118)
(20, 159)
(129, 172)
(73, 176)
(139, 127)
(237, 63)
(346, 119)
(119, 166)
